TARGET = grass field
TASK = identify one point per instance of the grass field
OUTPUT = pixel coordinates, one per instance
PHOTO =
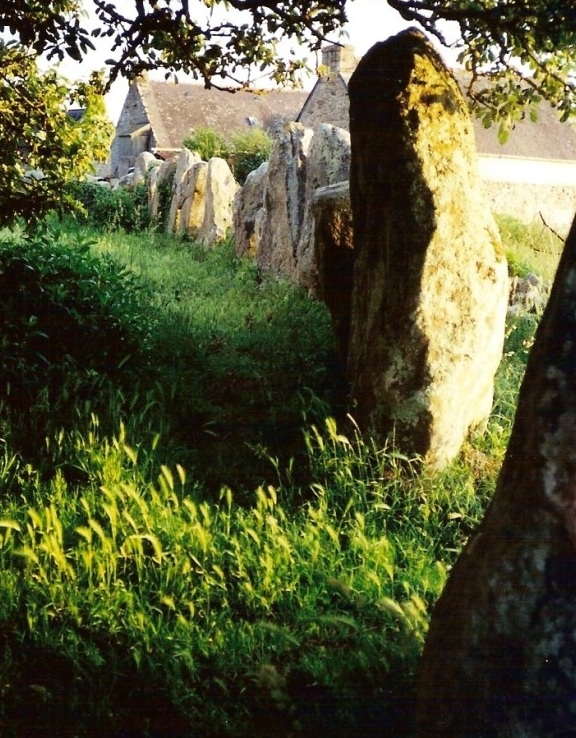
(194, 538)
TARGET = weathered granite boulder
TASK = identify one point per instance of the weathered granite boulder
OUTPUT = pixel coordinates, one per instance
(221, 188)
(430, 280)
(528, 294)
(153, 191)
(328, 162)
(284, 200)
(156, 177)
(500, 656)
(186, 160)
(334, 257)
(249, 214)
(143, 163)
(193, 191)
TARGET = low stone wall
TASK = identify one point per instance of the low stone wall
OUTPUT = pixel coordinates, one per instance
(533, 202)
(531, 190)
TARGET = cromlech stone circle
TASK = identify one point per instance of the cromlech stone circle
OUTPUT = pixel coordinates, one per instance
(221, 189)
(500, 656)
(430, 283)
(201, 199)
(143, 164)
(156, 177)
(249, 212)
(328, 162)
(185, 161)
(193, 193)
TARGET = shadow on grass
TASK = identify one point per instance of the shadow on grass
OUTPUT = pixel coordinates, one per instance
(48, 697)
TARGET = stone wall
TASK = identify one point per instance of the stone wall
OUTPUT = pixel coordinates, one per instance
(533, 202)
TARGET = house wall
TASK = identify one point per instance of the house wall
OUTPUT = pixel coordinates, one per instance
(328, 103)
(125, 148)
(529, 203)
(521, 170)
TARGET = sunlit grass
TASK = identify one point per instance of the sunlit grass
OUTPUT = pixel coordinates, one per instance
(530, 249)
(144, 575)
(145, 586)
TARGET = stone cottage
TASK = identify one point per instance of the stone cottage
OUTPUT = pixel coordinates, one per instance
(158, 115)
(533, 173)
(328, 100)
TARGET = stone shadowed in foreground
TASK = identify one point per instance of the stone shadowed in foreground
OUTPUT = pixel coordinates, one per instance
(500, 657)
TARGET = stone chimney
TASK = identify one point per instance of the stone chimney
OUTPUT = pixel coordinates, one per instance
(339, 59)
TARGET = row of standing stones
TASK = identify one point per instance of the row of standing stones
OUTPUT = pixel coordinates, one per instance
(388, 226)
(200, 197)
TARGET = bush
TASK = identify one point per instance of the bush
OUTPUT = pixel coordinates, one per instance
(207, 143)
(530, 248)
(248, 151)
(67, 319)
(245, 151)
(109, 209)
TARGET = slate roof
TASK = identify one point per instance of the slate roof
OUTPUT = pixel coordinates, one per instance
(547, 138)
(173, 110)
(176, 109)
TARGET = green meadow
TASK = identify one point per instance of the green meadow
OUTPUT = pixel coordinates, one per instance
(195, 539)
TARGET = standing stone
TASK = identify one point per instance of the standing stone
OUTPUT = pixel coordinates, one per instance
(185, 161)
(157, 176)
(193, 195)
(221, 189)
(430, 279)
(334, 255)
(153, 191)
(284, 200)
(249, 212)
(143, 164)
(500, 657)
(328, 162)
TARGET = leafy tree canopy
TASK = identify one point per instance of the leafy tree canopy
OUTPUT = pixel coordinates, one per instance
(531, 42)
(43, 146)
(526, 48)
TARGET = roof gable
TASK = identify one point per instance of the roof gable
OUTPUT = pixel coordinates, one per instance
(176, 109)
